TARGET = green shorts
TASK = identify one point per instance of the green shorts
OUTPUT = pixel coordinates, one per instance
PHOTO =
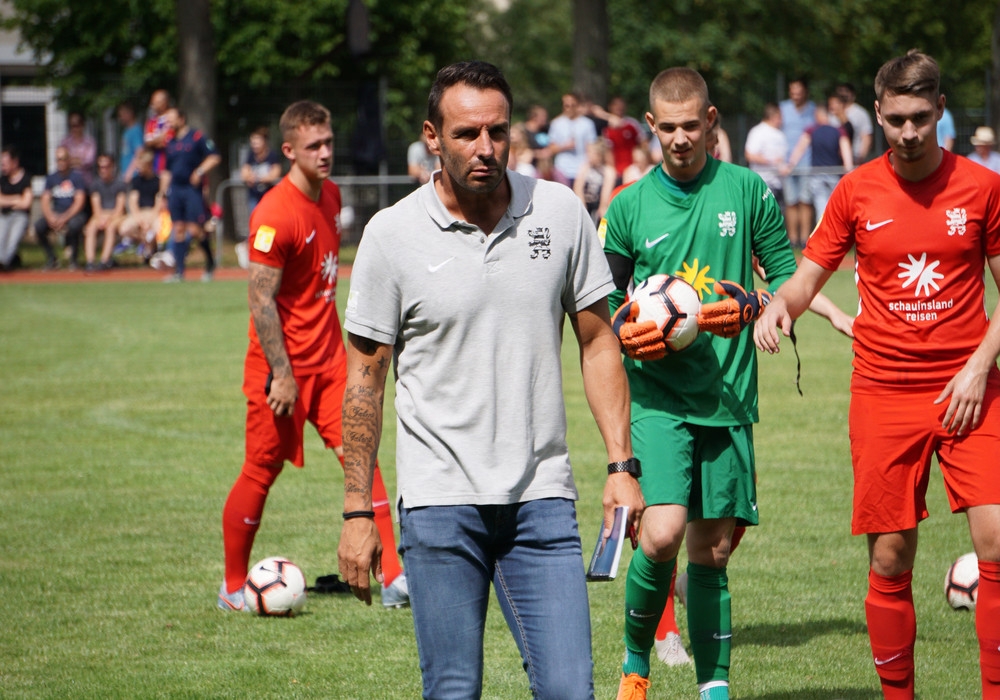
(709, 469)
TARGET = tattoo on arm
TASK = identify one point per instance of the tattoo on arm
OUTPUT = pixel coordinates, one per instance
(263, 288)
(367, 362)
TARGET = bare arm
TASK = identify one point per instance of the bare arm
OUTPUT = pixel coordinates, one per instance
(79, 199)
(866, 146)
(264, 283)
(204, 168)
(360, 549)
(968, 387)
(133, 201)
(823, 306)
(846, 154)
(797, 153)
(606, 387)
(789, 302)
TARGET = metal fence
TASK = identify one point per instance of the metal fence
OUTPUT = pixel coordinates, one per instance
(362, 196)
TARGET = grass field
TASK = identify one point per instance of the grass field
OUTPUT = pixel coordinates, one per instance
(121, 431)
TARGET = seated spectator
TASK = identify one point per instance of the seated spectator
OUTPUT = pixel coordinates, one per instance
(596, 179)
(262, 168)
(420, 162)
(81, 147)
(984, 141)
(15, 205)
(107, 206)
(63, 205)
(144, 205)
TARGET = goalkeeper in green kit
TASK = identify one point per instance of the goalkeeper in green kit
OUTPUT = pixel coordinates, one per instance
(692, 411)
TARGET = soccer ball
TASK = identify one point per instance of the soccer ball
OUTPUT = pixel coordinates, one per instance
(673, 305)
(275, 586)
(961, 585)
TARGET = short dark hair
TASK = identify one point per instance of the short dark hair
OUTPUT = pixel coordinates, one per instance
(679, 84)
(476, 74)
(261, 131)
(916, 73)
(12, 151)
(302, 113)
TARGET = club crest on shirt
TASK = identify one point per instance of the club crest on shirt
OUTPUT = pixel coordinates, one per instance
(540, 241)
(957, 219)
(264, 239)
(727, 223)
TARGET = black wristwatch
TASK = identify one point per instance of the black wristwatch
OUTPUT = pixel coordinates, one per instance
(629, 466)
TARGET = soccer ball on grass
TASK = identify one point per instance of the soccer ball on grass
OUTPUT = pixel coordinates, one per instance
(673, 305)
(961, 585)
(275, 586)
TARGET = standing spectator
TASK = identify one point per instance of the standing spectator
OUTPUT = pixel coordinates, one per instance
(63, 205)
(984, 142)
(420, 162)
(261, 169)
(536, 128)
(15, 205)
(693, 411)
(485, 484)
(190, 157)
(596, 180)
(107, 206)
(831, 151)
(717, 141)
(946, 131)
(798, 112)
(923, 224)
(861, 121)
(569, 134)
(766, 150)
(295, 367)
(521, 155)
(640, 165)
(836, 107)
(159, 129)
(623, 133)
(131, 143)
(144, 207)
(80, 146)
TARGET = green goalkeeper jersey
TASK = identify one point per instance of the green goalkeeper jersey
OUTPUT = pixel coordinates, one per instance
(702, 231)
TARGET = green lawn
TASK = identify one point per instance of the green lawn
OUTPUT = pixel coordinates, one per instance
(121, 431)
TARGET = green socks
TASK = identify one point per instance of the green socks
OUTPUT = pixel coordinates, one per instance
(646, 588)
(710, 625)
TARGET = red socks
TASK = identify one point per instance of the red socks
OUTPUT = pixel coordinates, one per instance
(241, 519)
(383, 521)
(988, 627)
(892, 630)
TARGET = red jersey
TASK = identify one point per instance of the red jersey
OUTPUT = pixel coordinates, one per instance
(921, 250)
(623, 138)
(301, 237)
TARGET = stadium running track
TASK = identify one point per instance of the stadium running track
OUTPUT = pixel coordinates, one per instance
(125, 274)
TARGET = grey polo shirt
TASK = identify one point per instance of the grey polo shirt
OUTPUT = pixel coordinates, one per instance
(476, 323)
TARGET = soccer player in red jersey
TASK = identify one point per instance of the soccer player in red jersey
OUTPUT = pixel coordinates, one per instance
(924, 223)
(296, 364)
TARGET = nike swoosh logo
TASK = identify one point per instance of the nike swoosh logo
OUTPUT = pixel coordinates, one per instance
(716, 635)
(754, 506)
(871, 227)
(650, 244)
(643, 615)
(435, 268)
(883, 662)
(311, 236)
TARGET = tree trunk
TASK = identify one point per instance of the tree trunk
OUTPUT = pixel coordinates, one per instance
(196, 64)
(590, 49)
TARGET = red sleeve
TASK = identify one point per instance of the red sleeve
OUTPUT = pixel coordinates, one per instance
(272, 230)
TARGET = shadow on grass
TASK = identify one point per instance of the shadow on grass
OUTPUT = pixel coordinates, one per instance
(795, 634)
(824, 694)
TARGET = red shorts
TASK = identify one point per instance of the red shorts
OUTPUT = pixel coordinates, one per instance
(894, 434)
(270, 439)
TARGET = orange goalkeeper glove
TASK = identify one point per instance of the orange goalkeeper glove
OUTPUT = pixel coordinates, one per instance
(728, 317)
(640, 341)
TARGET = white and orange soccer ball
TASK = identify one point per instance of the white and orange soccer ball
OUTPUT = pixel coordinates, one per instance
(961, 585)
(275, 586)
(673, 305)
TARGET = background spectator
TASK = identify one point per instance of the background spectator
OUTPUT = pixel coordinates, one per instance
(861, 123)
(107, 206)
(984, 141)
(261, 169)
(144, 205)
(766, 150)
(63, 206)
(420, 162)
(946, 131)
(15, 205)
(569, 134)
(131, 142)
(80, 146)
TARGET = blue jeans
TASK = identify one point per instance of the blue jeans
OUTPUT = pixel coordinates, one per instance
(531, 553)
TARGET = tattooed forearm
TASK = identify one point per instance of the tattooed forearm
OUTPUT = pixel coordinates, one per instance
(263, 287)
(367, 365)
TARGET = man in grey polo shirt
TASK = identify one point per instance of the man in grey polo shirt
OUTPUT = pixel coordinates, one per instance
(466, 284)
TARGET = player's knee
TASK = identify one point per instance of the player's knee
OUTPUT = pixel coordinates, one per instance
(264, 475)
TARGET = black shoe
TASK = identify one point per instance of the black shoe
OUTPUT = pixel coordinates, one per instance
(329, 584)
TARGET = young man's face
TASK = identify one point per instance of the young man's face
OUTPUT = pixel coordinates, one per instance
(106, 169)
(910, 124)
(474, 139)
(310, 149)
(681, 129)
(7, 164)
